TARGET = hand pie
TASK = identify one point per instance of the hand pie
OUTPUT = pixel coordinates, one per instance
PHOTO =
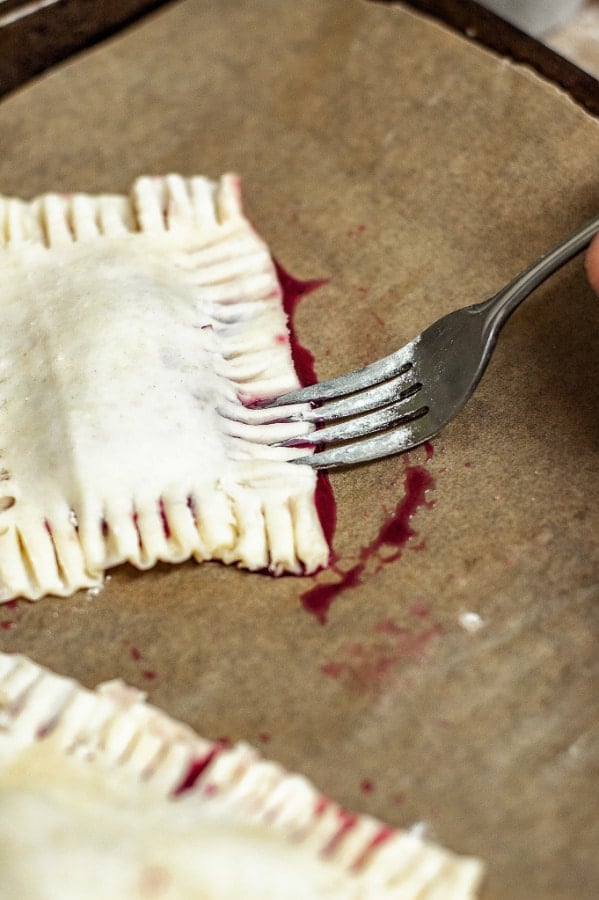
(104, 797)
(134, 331)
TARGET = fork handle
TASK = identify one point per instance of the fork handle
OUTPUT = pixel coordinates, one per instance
(500, 306)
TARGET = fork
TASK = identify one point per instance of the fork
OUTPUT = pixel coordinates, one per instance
(406, 398)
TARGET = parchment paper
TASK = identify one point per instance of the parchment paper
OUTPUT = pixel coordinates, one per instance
(418, 173)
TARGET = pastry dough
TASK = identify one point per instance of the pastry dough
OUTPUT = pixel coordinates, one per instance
(133, 333)
(104, 797)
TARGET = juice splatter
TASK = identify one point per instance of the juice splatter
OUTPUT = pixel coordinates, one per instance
(397, 530)
(318, 599)
(384, 652)
(294, 290)
(196, 769)
(386, 547)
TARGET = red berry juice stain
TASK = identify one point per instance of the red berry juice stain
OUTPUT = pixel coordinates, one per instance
(318, 599)
(14, 606)
(366, 786)
(419, 609)
(196, 769)
(383, 652)
(411, 644)
(347, 821)
(397, 530)
(165, 526)
(381, 837)
(418, 548)
(293, 291)
(136, 655)
(326, 508)
(321, 806)
(385, 548)
(43, 731)
(380, 322)
(264, 737)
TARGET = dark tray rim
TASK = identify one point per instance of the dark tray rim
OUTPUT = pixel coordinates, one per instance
(36, 36)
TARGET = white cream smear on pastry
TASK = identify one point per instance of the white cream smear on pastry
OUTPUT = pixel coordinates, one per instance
(91, 806)
(132, 331)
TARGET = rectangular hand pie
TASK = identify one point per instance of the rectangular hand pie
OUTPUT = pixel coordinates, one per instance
(133, 333)
(104, 797)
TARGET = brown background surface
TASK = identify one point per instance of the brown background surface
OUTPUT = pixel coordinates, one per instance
(418, 172)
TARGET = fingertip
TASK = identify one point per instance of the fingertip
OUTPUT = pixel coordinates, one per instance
(592, 263)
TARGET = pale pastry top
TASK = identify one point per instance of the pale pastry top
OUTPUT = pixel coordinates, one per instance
(134, 332)
(104, 797)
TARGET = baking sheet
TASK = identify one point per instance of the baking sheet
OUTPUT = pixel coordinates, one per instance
(416, 172)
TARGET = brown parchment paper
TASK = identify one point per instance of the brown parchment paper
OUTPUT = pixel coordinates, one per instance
(418, 173)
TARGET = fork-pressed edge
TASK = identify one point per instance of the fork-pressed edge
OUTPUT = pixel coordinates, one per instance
(381, 395)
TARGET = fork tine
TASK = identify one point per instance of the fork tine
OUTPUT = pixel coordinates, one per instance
(385, 368)
(369, 423)
(372, 398)
(388, 443)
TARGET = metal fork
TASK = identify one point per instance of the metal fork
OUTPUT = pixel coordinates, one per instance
(405, 399)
